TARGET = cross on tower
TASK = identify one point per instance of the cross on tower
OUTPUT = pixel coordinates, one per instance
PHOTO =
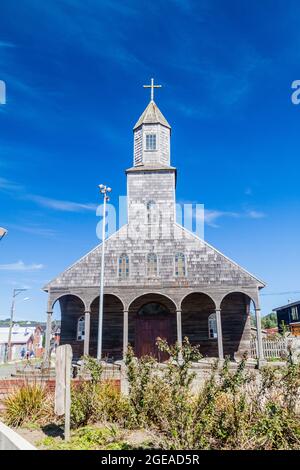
(152, 86)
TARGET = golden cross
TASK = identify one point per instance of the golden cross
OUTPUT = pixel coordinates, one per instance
(152, 86)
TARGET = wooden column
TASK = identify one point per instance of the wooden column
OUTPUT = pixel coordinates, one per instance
(179, 327)
(87, 322)
(48, 338)
(219, 334)
(125, 333)
(259, 336)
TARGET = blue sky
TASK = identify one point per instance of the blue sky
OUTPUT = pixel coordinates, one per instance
(74, 72)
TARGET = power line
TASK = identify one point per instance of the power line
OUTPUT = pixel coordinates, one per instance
(283, 293)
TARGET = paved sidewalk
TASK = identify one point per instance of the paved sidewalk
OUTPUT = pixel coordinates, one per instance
(7, 369)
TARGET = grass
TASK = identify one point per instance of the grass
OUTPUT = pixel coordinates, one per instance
(91, 438)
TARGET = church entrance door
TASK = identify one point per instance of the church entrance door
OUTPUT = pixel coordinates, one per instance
(153, 321)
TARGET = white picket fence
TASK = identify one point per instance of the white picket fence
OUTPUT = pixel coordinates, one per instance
(273, 348)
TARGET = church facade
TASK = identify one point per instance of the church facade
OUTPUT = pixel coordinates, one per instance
(161, 280)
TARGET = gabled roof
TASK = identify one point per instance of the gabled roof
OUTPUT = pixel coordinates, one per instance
(152, 115)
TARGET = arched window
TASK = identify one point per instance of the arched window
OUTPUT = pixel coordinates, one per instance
(152, 264)
(212, 326)
(80, 328)
(123, 266)
(151, 212)
(179, 264)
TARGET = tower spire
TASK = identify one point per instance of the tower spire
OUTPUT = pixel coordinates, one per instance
(152, 86)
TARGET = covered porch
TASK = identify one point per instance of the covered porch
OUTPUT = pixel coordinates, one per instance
(218, 324)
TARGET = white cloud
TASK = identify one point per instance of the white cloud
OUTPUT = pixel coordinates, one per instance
(65, 206)
(256, 214)
(211, 216)
(20, 266)
(7, 185)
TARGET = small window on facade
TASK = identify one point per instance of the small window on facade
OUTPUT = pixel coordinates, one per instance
(294, 313)
(152, 264)
(212, 326)
(80, 329)
(151, 212)
(150, 141)
(123, 266)
(180, 265)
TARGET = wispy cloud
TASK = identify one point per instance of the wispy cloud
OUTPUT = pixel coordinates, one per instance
(60, 205)
(211, 216)
(6, 44)
(20, 266)
(33, 229)
(7, 185)
(256, 214)
(18, 191)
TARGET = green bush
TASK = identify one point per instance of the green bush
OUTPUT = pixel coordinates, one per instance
(30, 403)
(235, 409)
(97, 402)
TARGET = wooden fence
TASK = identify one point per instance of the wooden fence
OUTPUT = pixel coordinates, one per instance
(272, 348)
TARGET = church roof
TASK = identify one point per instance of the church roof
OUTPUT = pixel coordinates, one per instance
(152, 115)
(206, 266)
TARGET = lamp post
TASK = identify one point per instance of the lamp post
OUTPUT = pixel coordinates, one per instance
(103, 190)
(12, 311)
(3, 232)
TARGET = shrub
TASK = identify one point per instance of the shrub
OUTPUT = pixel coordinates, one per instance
(92, 402)
(30, 403)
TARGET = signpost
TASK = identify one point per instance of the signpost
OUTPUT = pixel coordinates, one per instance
(63, 385)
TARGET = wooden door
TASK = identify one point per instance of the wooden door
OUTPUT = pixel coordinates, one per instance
(146, 333)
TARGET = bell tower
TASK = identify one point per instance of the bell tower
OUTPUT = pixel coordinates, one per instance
(152, 134)
(151, 181)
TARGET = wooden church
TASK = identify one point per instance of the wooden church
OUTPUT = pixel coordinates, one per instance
(161, 280)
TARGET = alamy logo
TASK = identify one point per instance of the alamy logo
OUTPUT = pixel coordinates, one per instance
(2, 92)
(296, 95)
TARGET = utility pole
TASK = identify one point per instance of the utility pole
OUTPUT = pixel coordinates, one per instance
(103, 190)
(11, 322)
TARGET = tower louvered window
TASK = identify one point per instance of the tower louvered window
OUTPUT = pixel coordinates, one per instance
(123, 266)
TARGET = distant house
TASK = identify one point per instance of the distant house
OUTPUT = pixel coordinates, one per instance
(22, 338)
(290, 315)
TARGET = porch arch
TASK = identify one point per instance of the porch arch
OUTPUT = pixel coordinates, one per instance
(196, 310)
(72, 308)
(151, 315)
(236, 326)
(112, 327)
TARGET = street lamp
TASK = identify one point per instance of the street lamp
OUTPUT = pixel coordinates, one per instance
(103, 190)
(12, 311)
(3, 232)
